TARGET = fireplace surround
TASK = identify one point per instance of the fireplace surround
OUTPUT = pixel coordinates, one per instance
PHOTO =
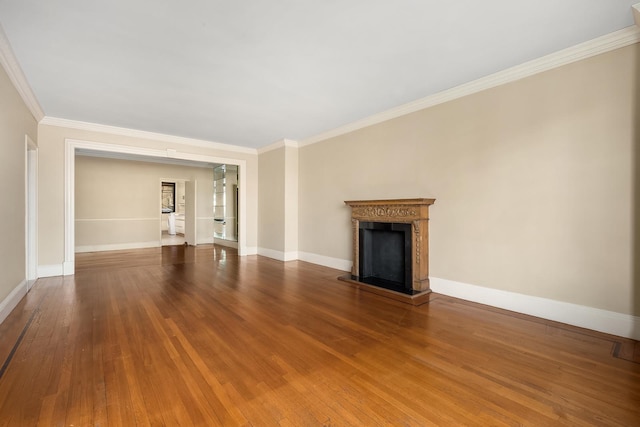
(391, 244)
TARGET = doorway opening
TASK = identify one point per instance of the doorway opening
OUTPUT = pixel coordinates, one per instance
(172, 212)
(178, 223)
(153, 155)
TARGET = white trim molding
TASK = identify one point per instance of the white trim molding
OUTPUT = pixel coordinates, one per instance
(69, 267)
(226, 243)
(116, 219)
(623, 325)
(16, 75)
(636, 13)
(69, 207)
(606, 43)
(204, 240)
(11, 301)
(52, 270)
(278, 255)
(117, 246)
(326, 261)
(271, 253)
(31, 210)
(291, 256)
(278, 144)
(134, 133)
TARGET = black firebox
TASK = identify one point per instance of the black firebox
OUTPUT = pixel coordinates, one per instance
(385, 255)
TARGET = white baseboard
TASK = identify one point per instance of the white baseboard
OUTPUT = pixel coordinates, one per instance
(279, 255)
(50, 270)
(117, 246)
(204, 241)
(610, 322)
(271, 253)
(223, 242)
(68, 268)
(291, 256)
(337, 263)
(11, 301)
(249, 250)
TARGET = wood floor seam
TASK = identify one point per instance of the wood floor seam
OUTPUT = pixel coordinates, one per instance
(9, 358)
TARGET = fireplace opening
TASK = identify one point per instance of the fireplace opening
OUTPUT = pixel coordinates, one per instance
(385, 255)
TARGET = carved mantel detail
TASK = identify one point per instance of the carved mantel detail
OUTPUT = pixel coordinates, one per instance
(418, 241)
(410, 211)
(384, 212)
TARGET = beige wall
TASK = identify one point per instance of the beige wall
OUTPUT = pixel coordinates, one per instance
(15, 122)
(291, 201)
(51, 180)
(278, 201)
(271, 200)
(533, 180)
(118, 201)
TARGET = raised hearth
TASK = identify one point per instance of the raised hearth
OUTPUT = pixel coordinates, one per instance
(391, 245)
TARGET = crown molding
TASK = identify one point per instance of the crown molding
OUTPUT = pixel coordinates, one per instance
(636, 13)
(133, 133)
(278, 144)
(606, 43)
(16, 75)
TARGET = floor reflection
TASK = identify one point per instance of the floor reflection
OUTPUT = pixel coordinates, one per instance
(183, 254)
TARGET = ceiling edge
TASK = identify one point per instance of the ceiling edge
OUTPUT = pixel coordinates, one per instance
(16, 75)
(278, 144)
(133, 133)
(606, 43)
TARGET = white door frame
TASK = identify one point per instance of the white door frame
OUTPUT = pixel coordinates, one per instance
(191, 213)
(31, 210)
(71, 145)
(176, 181)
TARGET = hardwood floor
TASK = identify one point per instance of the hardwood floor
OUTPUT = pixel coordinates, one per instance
(185, 336)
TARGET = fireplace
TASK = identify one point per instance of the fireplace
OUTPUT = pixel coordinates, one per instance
(391, 244)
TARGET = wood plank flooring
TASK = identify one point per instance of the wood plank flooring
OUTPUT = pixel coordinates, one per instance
(198, 336)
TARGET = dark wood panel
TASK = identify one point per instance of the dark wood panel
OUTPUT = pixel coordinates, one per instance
(199, 336)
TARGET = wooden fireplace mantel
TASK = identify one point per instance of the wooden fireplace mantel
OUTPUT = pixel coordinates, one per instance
(411, 211)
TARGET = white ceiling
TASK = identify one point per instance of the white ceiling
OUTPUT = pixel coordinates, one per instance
(252, 72)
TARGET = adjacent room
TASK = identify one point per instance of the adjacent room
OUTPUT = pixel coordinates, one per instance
(320, 213)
